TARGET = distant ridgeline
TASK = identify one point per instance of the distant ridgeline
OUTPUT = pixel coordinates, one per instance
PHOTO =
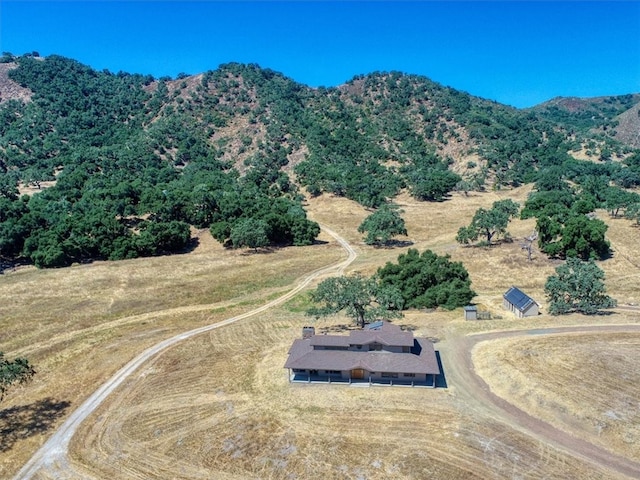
(122, 165)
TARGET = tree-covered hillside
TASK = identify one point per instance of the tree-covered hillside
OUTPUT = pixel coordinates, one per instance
(134, 162)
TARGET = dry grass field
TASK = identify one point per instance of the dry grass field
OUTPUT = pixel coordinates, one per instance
(219, 405)
(550, 377)
(222, 404)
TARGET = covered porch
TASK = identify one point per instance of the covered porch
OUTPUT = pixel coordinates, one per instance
(361, 377)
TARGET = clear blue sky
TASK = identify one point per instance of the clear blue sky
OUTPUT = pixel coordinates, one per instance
(518, 53)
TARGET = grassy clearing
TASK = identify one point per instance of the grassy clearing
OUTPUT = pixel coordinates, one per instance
(80, 325)
(221, 403)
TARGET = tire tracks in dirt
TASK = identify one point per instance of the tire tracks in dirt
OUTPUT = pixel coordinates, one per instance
(51, 460)
(478, 397)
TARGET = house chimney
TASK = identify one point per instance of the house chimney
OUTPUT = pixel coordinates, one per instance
(308, 332)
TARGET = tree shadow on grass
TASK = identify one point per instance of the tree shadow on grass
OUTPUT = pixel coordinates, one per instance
(394, 244)
(407, 327)
(246, 251)
(191, 245)
(24, 421)
(343, 327)
(10, 265)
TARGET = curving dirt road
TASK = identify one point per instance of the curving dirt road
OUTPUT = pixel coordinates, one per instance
(459, 368)
(51, 459)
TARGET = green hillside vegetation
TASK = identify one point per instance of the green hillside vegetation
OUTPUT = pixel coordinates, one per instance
(133, 163)
(584, 115)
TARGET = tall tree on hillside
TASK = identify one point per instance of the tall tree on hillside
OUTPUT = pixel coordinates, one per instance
(489, 223)
(434, 184)
(363, 299)
(577, 287)
(18, 370)
(382, 225)
(633, 212)
(617, 199)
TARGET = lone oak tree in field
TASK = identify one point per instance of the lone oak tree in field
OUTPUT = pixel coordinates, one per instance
(633, 212)
(250, 233)
(363, 299)
(577, 287)
(489, 223)
(15, 371)
(382, 225)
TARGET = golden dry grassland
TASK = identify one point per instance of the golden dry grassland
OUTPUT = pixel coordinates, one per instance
(587, 383)
(222, 403)
(219, 405)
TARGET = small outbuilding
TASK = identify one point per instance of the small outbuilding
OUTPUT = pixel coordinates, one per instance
(470, 312)
(521, 304)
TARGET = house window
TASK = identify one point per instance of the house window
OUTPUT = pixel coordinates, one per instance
(409, 374)
(334, 372)
(389, 375)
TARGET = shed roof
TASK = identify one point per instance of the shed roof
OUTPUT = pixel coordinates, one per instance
(519, 299)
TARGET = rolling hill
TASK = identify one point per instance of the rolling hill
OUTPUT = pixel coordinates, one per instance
(132, 162)
(101, 166)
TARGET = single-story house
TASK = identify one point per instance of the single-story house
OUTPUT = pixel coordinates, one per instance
(521, 304)
(380, 353)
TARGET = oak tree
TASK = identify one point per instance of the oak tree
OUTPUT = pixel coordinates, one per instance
(489, 223)
(382, 225)
(428, 280)
(14, 371)
(361, 298)
(249, 232)
(577, 286)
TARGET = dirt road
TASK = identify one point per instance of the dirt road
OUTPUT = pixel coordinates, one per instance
(50, 461)
(460, 372)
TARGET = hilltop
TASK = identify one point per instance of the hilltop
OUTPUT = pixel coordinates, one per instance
(132, 162)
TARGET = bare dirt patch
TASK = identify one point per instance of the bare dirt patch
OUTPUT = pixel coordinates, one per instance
(628, 129)
(10, 90)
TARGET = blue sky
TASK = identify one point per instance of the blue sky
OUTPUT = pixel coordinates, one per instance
(516, 52)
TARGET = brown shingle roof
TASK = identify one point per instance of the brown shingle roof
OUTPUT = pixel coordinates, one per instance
(303, 356)
(390, 337)
(330, 340)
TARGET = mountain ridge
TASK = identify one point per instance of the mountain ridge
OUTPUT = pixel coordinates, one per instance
(9, 89)
(226, 146)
